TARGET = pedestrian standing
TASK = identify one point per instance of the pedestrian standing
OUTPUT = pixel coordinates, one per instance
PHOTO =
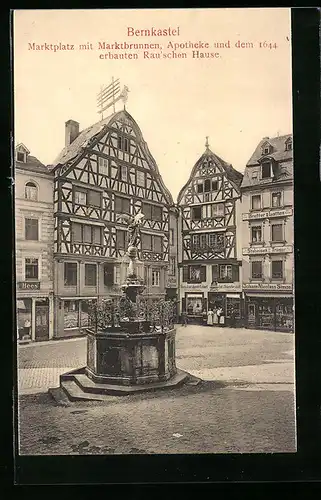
(233, 317)
(215, 317)
(27, 327)
(184, 318)
(210, 315)
(220, 315)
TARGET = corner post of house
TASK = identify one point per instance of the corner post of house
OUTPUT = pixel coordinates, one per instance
(33, 319)
(51, 315)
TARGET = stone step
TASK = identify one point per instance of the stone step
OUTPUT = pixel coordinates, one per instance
(75, 393)
(59, 396)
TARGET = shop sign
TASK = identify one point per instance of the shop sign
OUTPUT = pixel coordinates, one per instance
(267, 214)
(26, 285)
(194, 287)
(265, 250)
(226, 287)
(268, 286)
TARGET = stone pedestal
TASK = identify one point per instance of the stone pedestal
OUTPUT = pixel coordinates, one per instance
(117, 358)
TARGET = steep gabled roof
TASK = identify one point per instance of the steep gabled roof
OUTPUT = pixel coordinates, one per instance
(283, 159)
(89, 136)
(32, 164)
(233, 175)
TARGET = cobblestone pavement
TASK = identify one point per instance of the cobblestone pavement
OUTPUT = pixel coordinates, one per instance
(245, 404)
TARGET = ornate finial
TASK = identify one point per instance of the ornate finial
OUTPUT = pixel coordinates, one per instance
(206, 143)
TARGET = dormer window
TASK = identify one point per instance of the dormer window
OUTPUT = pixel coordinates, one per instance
(21, 156)
(266, 149)
(288, 145)
(266, 170)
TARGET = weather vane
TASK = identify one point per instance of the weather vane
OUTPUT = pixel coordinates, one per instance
(108, 96)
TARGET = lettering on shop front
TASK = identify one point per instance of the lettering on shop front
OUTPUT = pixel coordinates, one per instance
(267, 214)
(267, 286)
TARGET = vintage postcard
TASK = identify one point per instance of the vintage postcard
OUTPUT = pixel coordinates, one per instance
(153, 170)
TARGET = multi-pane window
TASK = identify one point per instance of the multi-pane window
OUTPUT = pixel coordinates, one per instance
(155, 277)
(256, 234)
(214, 185)
(140, 178)
(210, 241)
(277, 232)
(266, 170)
(80, 197)
(103, 166)
(152, 212)
(121, 238)
(84, 233)
(31, 191)
(226, 272)
(172, 266)
(218, 210)
(90, 274)
(123, 143)
(117, 275)
(31, 229)
(200, 187)
(256, 202)
(152, 242)
(31, 269)
(94, 198)
(256, 269)
(276, 199)
(207, 185)
(122, 205)
(277, 269)
(70, 273)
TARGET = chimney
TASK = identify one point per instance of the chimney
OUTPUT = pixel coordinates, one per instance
(71, 131)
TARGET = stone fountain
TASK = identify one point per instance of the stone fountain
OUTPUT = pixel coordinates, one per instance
(130, 345)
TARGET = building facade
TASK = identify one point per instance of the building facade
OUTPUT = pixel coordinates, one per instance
(267, 234)
(34, 246)
(103, 172)
(209, 250)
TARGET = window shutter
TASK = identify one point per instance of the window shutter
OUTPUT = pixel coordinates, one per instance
(215, 272)
(108, 274)
(203, 273)
(235, 273)
(205, 304)
(185, 273)
(184, 305)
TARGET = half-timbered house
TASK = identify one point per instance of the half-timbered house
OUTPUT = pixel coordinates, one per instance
(209, 250)
(267, 230)
(103, 172)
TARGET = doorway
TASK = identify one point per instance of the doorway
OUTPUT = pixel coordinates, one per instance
(42, 320)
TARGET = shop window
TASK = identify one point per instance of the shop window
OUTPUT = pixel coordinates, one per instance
(276, 200)
(152, 212)
(70, 273)
(196, 213)
(24, 308)
(155, 277)
(235, 305)
(256, 202)
(31, 191)
(103, 166)
(90, 274)
(194, 305)
(71, 313)
(122, 205)
(84, 313)
(277, 232)
(277, 269)
(108, 274)
(31, 269)
(32, 229)
(140, 178)
(256, 269)
(256, 234)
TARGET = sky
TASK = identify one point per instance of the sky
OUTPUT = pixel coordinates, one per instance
(235, 99)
